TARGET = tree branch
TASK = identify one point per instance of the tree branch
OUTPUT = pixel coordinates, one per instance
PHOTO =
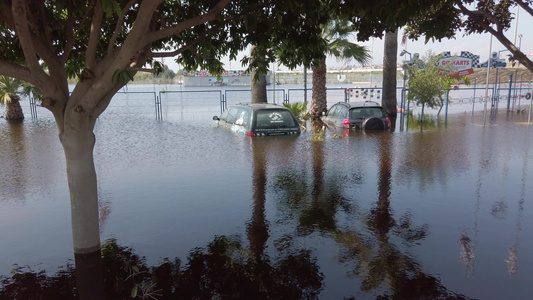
(70, 34)
(25, 36)
(94, 38)
(497, 33)
(119, 25)
(525, 6)
(44, 25)
(188, 46)
(201, 19)
(476, 14)
(16, 71)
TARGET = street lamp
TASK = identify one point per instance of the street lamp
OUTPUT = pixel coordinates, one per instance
(406, 52)
(405, 74)
(519, 41)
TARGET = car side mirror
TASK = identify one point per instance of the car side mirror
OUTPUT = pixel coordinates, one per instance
(215, 118)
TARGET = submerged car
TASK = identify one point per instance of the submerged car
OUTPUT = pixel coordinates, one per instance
(259, 119)
(367, 115)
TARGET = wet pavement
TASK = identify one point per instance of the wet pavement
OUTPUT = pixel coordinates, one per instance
(438, 212)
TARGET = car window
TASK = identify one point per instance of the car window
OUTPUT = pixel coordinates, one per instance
(224, 115)
(341, 112)
(232, 114)
(333, 111)
(274, 118)
(366, 112)
(243, 117)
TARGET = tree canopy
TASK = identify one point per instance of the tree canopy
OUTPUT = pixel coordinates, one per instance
(492, 16)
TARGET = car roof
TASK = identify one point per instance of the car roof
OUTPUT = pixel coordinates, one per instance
(256, 106)
(360, 104)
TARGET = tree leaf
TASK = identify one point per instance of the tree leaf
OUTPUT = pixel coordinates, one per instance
(134, 292)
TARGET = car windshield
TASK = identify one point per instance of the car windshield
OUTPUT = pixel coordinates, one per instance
(365, 112)
(274, 118)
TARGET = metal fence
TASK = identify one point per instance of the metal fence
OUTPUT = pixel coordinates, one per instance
(196, 103)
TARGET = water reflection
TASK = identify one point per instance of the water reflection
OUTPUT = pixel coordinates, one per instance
(14, 164)
(315, 203)
(512, 259)
(391, 215)
(221, 270)
(258, 227)
(378, 261)
(417, 122)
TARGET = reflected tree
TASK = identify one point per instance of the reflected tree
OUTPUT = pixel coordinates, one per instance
(13, 186)
(258, 227)
(427, 122)
(222, 270)
(379, 262)
(316, 202)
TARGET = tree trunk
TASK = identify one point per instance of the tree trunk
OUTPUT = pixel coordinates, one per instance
(389, 101)
(319, 98)
(78, 144)
(259, 94)
(422, 116)
(258, 85)
(13, 110)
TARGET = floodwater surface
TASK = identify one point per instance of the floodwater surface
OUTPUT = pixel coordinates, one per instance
(442, 212)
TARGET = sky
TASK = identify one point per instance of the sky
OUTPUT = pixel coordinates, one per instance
(478, 44)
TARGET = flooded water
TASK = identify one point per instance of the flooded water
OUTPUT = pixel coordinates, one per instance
(442, 212)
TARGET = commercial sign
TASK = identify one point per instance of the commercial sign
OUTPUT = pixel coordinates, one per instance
(457, 65)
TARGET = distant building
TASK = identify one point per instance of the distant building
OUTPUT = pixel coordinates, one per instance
(228, 78)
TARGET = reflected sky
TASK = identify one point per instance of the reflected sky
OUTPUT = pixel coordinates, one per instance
(379, 212)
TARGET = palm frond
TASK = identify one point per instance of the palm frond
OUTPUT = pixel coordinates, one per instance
(11, 88)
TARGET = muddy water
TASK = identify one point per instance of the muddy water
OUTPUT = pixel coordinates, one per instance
(439, 212)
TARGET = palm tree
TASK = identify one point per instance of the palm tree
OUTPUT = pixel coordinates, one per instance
(9, 96)
(336, 35)
(389, 76)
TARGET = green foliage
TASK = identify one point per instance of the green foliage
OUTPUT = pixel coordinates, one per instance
(446, 18)
(299, 109)
(11, 88)
(426, 85)
(110, 7)
(337, 34)
(278, 28)
(122, 76)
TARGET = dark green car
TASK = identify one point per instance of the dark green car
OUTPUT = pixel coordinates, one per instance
(259, 119)
(367, 115)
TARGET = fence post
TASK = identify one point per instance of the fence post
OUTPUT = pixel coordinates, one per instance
(446, 113)
(33, 108)
(509, 97)
(402, 94)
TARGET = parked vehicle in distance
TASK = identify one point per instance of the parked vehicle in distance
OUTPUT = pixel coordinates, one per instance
(259, 119)
(367, 115)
